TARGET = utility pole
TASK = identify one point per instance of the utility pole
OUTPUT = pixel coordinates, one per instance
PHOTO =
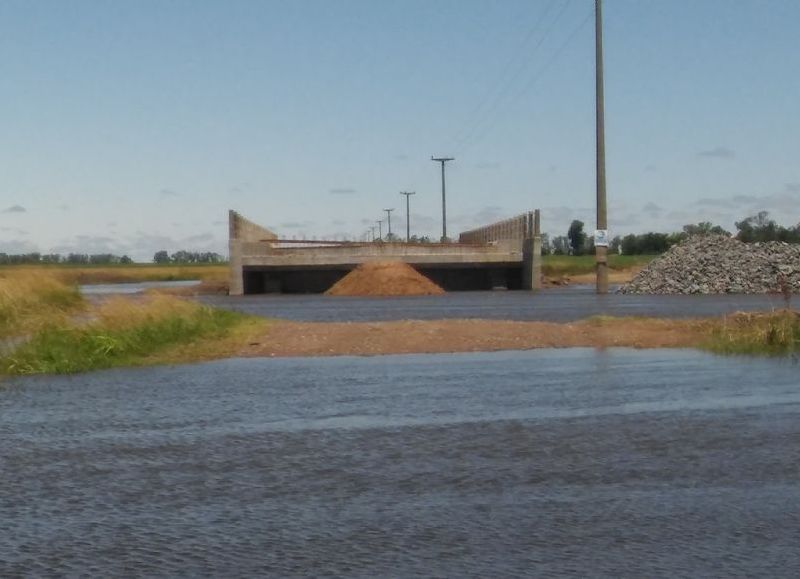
(601, 251)
(389, 222)
(372, 230)
(380, 230)
(443, 160)
(408, 214)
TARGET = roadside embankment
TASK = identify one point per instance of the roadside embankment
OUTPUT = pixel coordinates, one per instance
(46, 326)
(285, 339)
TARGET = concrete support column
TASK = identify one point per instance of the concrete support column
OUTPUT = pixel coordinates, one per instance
(236, 274)
(532, 256)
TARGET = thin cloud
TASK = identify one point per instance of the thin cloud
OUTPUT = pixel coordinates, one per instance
(792, 188)
(199, 238)
(653, 210)
(168, 193)
(342, 191)
(296, 224)
(17, 246)
(15, 209)
(718, 153)
(14, 230)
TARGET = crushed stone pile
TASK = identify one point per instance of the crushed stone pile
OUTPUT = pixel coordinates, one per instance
(384, 279)
(717, 264)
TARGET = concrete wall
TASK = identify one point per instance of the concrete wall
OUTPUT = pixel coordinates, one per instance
(259, 262)
(242, 231)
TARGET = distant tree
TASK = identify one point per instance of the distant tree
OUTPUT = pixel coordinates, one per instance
(560, 245)
(161, 257)
(547, 248)
(704, 228)
(577, 237)
(125, 259)
(760, 227)
(616, 245)
(77, 258)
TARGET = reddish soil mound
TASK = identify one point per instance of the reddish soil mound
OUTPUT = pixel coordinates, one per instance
(384, 279)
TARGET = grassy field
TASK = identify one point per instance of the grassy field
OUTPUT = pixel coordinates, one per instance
(128, 273)
(29, 299)
(47, 327)
(556, 265)
(773, 334)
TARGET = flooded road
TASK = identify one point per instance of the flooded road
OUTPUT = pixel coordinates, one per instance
(549, 305)
(543, 463)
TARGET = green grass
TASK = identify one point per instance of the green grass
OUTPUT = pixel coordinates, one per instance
(581, 264)
(113, 340)
(772, 334)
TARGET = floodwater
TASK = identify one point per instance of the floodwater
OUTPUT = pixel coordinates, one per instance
(547, 463)
(551, 305)
(134, 287)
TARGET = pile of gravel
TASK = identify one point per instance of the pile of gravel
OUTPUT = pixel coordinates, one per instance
(717, 264)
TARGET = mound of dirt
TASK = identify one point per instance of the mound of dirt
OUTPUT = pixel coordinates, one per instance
(393, 278)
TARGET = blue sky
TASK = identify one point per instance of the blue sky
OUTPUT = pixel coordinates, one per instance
(132, 127)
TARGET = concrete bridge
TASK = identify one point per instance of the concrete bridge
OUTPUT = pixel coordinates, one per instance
(503, 255)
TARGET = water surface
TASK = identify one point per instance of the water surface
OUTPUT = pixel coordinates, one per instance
(133, 287)
(546, 463)
(553, 305)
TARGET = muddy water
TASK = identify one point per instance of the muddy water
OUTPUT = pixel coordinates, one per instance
(551, 305)
(544, 464)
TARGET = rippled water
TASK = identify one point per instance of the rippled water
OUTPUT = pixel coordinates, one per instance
(543, 464)
(133, 287)
(557, 305)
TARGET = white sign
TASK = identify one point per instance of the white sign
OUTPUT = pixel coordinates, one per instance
(601, 237)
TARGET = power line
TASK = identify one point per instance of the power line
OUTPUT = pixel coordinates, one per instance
(539, 74)
(508, 85)
(502, 79)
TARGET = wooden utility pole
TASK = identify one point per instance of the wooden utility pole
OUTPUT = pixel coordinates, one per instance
(408, 194)
(601, 251)
(443, 160)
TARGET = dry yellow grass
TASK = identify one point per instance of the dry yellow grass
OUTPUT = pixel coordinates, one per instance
(122, 273)
(29, 298)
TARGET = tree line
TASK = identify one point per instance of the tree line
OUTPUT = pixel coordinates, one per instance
(756, 228)
(183, 256)
(35, 258)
